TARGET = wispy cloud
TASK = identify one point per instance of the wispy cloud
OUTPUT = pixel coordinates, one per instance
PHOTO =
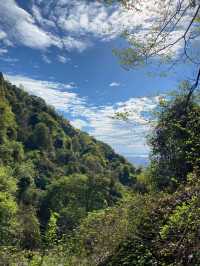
(79, 123)
(46, 59)
(127, 138)
(10, 60)
(2, 35)
(114, 84)
(63, 59)
(71, 43)
(3, 51)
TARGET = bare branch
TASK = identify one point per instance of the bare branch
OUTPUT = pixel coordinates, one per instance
(193, 88)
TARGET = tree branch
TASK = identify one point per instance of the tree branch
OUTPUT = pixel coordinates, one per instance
(193, 87)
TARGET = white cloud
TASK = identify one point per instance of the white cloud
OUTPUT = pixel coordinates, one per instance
(71, 85)
(93, 18)
(114, 84)
(54, 93)
(73, 25)
(21, 28)
(79, 123)
(127, 138)
(3, 51)
(46, 59)
(10, 59)
(63, 59)
(70, 43)
(2, 35)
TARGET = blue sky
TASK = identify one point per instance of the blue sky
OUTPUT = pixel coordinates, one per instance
(61, 50)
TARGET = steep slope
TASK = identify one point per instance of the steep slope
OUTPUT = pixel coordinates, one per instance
(39, 128)
(56, 167)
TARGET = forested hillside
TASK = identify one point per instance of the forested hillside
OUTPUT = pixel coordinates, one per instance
(47, 166)
(68, 199)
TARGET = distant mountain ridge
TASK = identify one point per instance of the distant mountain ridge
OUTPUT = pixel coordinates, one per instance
(138, 160)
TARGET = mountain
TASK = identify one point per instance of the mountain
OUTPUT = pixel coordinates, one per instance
(56, 167)
(138, 161)
(39, 129)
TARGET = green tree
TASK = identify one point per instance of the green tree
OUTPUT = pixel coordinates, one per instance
(7, 120)
(25, 173)
(51, 231)
(73, 196)
(29, 231)
(175, 142)
(100, 233)
(8, 208)
(41, 137)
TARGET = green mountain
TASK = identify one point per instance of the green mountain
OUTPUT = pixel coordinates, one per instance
(58, 148)
(57, 168)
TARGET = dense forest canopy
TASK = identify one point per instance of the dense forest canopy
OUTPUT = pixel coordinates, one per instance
(55, 164)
